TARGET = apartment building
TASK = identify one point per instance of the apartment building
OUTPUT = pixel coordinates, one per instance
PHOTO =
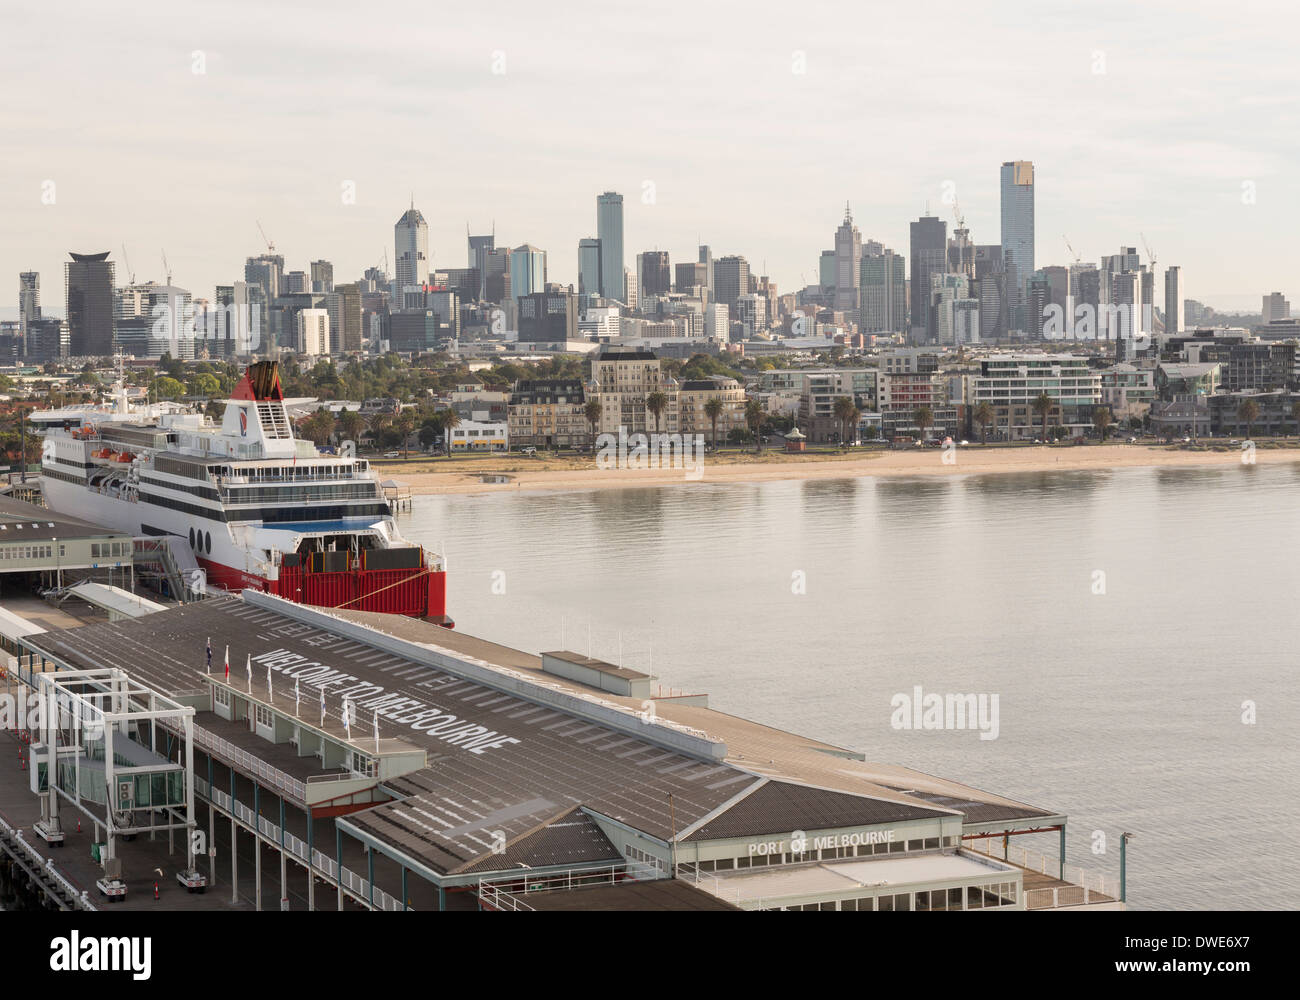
(549, 413)
(1011, 383)
(622, 380)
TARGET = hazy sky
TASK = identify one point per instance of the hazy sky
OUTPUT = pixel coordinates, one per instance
(1153, 117)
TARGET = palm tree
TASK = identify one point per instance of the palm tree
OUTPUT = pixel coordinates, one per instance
(843, 410)
(405, 425)
(713, 410)
(319, 426)
(353, 424)
(592, 412)
(754, 417)
(1248, 411)
(923, 417)
(1042, 407)
(1101, 420)
(984, 416)
(655, 403)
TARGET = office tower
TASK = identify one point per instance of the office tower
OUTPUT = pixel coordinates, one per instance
(1058, 285)
(883, 292)
(266, 271)
(411, 242)
(296, 283)
(848, 261)
(706, 258)
(826, 271)
(1038, 296)
(654, 273)
(48, 339)
(689, 276)
(632, 298)
(955, 311)
(609, 230)
(929, 252)
(1119, 294)
(479, 248)
(527, 271)
(322, 277)
(312, 333)
(548, 316)
(730, 280)
(29, 299)
(1275, 307)
(496, 277)
(589, 263)
(1018, 234)
(89, 280)
(1173, 300)
(961, 252)
(345, 330)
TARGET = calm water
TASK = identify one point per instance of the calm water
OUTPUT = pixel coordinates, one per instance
(1122, 710)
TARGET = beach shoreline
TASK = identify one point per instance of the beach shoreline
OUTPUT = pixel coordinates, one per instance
(927, 462)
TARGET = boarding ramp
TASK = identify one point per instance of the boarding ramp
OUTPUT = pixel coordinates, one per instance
(170, 561)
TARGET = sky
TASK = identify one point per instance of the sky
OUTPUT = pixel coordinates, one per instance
(176, 127)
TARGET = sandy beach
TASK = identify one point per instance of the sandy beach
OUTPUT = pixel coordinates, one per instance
(465, 475)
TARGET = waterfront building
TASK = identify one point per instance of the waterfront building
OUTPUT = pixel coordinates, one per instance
(1010, 383)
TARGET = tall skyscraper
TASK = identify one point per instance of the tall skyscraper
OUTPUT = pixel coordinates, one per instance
(589, 265)
(411, 242)
(882, 290)
(929, 252)
(1018, 235)
(1173, 300)
(322, 277)
(848, 261)
(89, 278)
(527, 271)
(267, 272)
(731, 280)
(706, 258)
(609, 230)
(479, 248)
(654, 272)
(826, 271)
(29, 299)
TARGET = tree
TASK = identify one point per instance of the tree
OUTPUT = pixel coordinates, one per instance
(983, 416)
(1248, 413)
(1295, 411)
(713, 410)
(319, 426)
(1042, 406)
(405, 424)
(1101, 419)
(923, 417)
(204, 384)
(754, 417)
(843, 410)
(655, 403)
(165, 387)
(431, 430)
(592, 411)
(352, 424)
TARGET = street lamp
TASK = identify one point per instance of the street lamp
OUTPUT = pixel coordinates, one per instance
(1123, 866)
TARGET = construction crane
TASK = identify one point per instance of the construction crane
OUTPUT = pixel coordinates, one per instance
(167, 269)
(1150, 253)
(1073, 253)
(127, 263)
(270, 246)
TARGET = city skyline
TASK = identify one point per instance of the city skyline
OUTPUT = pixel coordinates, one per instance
(1162, 142)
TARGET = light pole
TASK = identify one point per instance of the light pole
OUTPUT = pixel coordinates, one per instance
(1123, 866)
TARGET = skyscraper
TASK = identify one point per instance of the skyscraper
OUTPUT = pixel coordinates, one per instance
(479, 248)
(609, 230)
(654, 273)
(929, 256)
(731, 280)
(882, 290)
(29, 299)
(411, 240)
(589, 263)
(1018, 235)
(89, 278)
(322, 277)
(527, 271)
(1173, 300)
(267, 272)
(706, 258)
(848, 260)
(1275, 307)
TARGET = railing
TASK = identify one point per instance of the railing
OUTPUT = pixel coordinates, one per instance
(1086, 887)
(504, 892)
(241, 758)
(354, 884)
(77, 897)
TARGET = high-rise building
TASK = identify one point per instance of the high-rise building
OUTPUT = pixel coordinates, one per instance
(29, 299)
(527, 271)
(322, 277)
(1275, 307)
(883, 292)
(549, 316)
(990, 289)
(266, 271)
(848, 261)
(496, 275)
(706, 258)
(89, 279)
(411, 242)
(609, 230)
(929, 252)
(479, 248)
(312, 333)
(296, 283)
(654, 273)
(1173, 300)
(589, 263)
(1018, 235)
(690, 275)
(826, 271)
(730, 280)
(345, 327)
(48, 339)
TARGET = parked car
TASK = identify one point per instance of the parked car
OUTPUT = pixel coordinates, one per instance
(392, 454)
(530, 450)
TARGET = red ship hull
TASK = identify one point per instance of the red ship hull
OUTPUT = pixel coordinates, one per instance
(417, 593)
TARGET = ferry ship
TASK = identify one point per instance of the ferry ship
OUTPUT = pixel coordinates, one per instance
(258, 508)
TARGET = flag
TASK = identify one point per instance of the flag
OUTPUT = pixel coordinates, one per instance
(295, 697)
(376, 732)
(209, 654)
(227, 663)
(268, 683)
(248, 667)
(322, 706)
(347, 722)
